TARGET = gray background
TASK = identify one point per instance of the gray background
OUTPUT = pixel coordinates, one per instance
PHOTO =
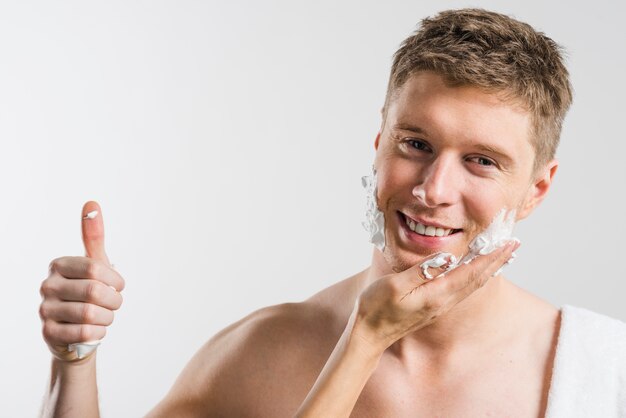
(226, 145)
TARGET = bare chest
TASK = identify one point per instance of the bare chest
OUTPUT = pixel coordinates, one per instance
(505, 389)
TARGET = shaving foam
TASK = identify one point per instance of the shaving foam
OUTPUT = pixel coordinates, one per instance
(82, 349)
(440, 260)
(374, 222)
(497, 234)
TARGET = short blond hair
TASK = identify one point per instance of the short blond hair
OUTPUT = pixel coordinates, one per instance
(497, 54)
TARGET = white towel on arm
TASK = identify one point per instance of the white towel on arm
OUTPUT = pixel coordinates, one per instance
(589, 374)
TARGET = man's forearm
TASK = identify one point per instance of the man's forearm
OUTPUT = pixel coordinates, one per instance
(342, 379)
(73, 391)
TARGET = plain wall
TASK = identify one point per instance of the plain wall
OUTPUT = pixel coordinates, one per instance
(225, 144)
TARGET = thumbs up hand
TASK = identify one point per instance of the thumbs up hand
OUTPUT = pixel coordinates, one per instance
(80, 294)
(92, 227)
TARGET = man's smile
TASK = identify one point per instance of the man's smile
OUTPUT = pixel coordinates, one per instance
(428, 228)
(429, 234)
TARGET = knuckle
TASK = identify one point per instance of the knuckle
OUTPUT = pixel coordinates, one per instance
(87, 313)
(47, 288)
(43, 311)
(92, 269)
(92, 292)
(448, 286)
(48, 330)
(84, 333)
(54, 264)
(59, 264)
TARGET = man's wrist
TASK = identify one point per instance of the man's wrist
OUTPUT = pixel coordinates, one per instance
(362, 339)
(82, 366)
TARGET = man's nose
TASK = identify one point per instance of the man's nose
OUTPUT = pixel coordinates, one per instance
(439, 183)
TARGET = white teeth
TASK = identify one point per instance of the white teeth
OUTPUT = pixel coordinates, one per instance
(430, 231)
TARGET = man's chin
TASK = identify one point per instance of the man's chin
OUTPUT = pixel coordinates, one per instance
(401, 259)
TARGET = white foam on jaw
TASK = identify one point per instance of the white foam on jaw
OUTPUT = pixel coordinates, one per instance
(497, 234)
(374, 222)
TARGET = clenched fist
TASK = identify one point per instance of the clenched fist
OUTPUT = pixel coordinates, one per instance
(80, 293)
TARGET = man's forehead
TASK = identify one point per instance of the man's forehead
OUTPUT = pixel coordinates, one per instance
(427, 84)
(426, 105)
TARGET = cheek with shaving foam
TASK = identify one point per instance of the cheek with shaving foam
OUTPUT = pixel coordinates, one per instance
(497, 234)
(374, 222)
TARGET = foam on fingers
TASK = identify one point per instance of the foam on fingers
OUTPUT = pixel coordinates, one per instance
(83, 349)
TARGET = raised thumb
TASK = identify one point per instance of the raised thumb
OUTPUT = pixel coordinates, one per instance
(93, 232)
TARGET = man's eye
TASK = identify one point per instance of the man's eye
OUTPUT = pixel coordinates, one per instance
(484, 161)
(419, 145)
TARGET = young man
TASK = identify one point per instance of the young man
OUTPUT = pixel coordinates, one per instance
(469, 127)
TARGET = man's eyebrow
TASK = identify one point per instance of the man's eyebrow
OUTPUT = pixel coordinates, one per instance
(497, 151)
(409, 127)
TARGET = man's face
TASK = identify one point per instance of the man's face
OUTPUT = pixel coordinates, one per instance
(452, 158)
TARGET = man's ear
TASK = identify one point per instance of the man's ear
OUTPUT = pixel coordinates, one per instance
(382, 126)
(538, 189)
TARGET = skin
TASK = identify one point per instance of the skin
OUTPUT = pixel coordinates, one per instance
(79, 296)
(435, 158)
(383, 342)
(461, 190)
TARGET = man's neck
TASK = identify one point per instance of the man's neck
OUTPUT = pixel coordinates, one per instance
(477, 320)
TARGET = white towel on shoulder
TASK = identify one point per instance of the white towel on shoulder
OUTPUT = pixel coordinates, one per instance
(589, 373)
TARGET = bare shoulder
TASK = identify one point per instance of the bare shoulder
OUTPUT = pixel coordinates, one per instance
(274, 353)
